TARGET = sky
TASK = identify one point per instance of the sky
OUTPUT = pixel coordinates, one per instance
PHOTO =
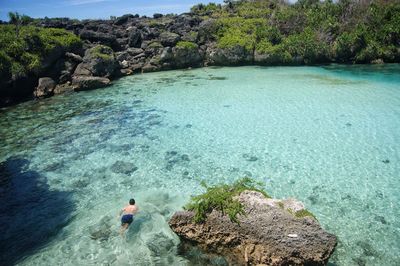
(82, 9)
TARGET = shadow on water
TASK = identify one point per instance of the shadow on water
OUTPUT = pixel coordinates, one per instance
(31, 214)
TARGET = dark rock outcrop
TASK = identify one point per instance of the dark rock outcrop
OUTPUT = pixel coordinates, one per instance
(270, 233)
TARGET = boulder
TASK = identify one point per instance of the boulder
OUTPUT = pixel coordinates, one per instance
(81, 83)
(134, 51)
(123, 19)
(74, 57)
(187, 55)
(98, 61)
(63, 88)
(271, 232)
(135, 38)
(169, 38)
(45, 88)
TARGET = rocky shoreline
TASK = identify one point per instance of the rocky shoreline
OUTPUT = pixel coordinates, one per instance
(123, 46)
(236, 33)
(270, 232)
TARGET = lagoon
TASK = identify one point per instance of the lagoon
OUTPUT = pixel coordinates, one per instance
(328, 136)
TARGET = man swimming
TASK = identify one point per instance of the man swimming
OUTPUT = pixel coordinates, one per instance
(128, 213)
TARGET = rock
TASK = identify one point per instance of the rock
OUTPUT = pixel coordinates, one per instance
(45, 88)
(190, 36)
(166, 54)
(187, 56)
(63, 88)
(124, 64)
(98, 61)
(169, 38)
(99, 37)
(123, 19)
(378, 61)
(236, 55)
(150, 68)
(135, 51)
(267, 234)
(81, 83)
(102, 230)
(74, 57)
(206, 31)
(126, 72)
(135, 38)
(121, 167)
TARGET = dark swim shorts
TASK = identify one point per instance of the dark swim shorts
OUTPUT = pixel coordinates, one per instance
(127, 219)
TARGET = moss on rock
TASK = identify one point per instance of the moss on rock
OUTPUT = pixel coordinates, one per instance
(186, 45)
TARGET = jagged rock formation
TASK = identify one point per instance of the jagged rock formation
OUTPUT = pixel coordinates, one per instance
(272, 232)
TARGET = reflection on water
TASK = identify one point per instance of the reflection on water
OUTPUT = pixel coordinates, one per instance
(328, 136)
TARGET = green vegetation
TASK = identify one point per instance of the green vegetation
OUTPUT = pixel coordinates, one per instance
(102, 51)
(221, 197)
(24, 48)
(309, 31)
(186, 45)
(302, 213)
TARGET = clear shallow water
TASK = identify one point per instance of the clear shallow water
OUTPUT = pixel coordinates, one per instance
(329, 136)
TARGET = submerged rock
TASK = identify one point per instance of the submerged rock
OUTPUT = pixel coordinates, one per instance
(121, 167)
(272, 232)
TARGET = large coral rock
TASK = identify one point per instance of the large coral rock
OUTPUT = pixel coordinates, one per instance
(269, 233)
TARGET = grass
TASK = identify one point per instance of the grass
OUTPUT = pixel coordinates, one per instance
(221, 197)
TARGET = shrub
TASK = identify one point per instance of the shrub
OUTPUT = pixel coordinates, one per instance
(27, 50)
(307, 46)
(221, 197)
(277, 53)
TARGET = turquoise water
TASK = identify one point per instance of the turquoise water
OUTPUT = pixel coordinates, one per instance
(329, 136)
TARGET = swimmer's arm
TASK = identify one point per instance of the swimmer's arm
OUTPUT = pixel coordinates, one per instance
(121, 211)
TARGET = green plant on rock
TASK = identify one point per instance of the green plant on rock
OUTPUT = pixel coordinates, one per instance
(302, 213)
(186, 45)
(102, 51)
(221, 198)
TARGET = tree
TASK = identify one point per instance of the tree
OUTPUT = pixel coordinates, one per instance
(18, 20)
